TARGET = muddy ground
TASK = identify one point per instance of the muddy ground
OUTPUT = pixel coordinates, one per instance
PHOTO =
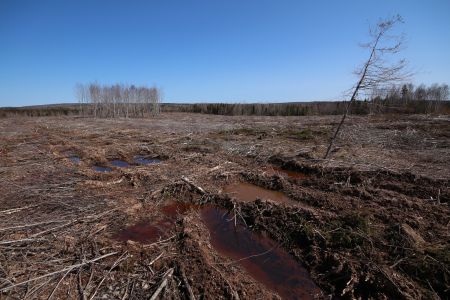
(370, 222)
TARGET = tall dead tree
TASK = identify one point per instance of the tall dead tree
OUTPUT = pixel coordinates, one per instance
(378, 70)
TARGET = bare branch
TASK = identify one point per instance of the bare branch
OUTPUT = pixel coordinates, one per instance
(377, 70)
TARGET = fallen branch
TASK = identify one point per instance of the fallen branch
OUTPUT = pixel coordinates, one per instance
(54, 228)
(14, 210)
(200, 190)
(69, 268)
(187, 285)
(154, 260)
(57, 285)
(80, 287)
(115, 264)
(33, 236)
(18, 241)
(29, 225)
(163, 284)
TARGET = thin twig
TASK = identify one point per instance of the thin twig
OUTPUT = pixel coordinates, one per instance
(115, 264)
(69, 268)
(29, 225)
(14, 210)
(18, 241)
(159, 242)
(251, 256)
(57, 285)
(163, 284)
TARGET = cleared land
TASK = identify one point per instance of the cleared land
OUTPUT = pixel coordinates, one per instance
(135, 208)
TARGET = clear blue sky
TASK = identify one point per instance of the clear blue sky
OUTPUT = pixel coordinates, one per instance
(208, 50)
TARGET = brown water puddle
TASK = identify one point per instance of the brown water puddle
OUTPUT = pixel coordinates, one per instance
(174, 209)
(286, 173)
(247, 192)
(145, 232)
(259, 255)
(150, 232)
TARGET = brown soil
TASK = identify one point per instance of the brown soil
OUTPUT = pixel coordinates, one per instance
(371, 222)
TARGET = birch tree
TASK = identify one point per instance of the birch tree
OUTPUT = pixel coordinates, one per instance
(119, 100)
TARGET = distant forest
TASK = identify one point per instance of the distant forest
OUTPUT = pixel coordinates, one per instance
(145, 102)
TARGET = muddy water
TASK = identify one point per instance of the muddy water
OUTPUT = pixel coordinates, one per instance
(120, 163)
(75, 159)
(145, 232)
(259, 255)
(146, 161)
(174, 209)
(150, 232)
(247, 192)
(101, 169)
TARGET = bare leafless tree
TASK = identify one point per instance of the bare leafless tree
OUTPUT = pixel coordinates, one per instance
(82, 96)
(378, 70)
(119, 100)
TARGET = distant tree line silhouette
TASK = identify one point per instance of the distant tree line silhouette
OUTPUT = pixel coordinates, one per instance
(266, 109)
(405, 98)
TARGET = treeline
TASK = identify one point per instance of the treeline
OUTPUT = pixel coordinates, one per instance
(118, 100)
(312, 108)
(421, 98)
(130, 101)
(41, 111)
(406, 98)
(270, 109)
(267, 109)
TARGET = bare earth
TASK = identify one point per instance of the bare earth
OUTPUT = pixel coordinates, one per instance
(371, 222)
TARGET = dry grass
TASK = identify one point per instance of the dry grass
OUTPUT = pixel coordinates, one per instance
(59, 219)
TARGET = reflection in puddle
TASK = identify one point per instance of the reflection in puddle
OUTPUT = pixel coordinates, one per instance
(259, 255)
(247, 192)
(141, 160)
(75, 159)
(101, 169)
(120, 163)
